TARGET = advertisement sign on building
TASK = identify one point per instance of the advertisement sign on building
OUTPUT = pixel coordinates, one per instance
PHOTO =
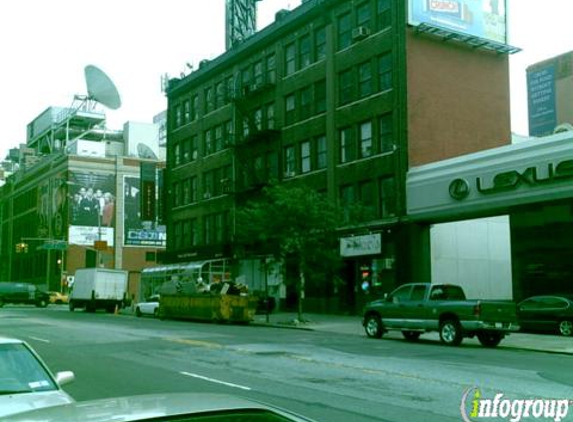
(137, 231)
(541, 100)
(92, 208)
(481, 18)
(370, 244)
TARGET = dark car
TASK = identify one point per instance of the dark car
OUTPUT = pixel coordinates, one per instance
(549, 313)
(23, 293)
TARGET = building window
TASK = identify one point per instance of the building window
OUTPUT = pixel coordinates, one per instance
(344, 30)
(208, 229)
(290, 55)
(245, 77)
(387, 197)
(305, 166)
(186, 111)
(194, 148)
(271, 116)
(290, 109)
(320, 96)
(365, 79)
(366, 191)
(219, 138)
(366, 139)
(259, 167)
(194, 107)
(208, 100)
(271, 69)
(186, 192)
(347, 200)
(208, 146)
(385, 72)
(272, 165)
(320, 44)
(178, 229)
(304, 51)
(321, 152)
(228, 132)
(258, 118)
(186, 150)
(193, 232)
(383, 14)
(290, 161)
(386, 133)
(177, 154)
(258, 73)
(178, 116)
(305, 102)
(219, 95)
(346, 86)
(363, 15)
(230, 89)
(347, 145)
(208, 185)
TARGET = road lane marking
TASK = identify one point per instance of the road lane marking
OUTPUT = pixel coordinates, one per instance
(199, 343)
(201, 377)
(39, 339)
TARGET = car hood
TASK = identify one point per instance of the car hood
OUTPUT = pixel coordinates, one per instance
(134, 408)
(17, 403)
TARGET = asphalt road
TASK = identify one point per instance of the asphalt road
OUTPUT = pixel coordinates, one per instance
(328, 377)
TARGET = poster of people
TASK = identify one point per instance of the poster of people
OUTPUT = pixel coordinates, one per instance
(92, 208)
(138, 232)
(52, 206)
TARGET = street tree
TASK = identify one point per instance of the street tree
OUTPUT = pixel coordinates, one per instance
(295, 223)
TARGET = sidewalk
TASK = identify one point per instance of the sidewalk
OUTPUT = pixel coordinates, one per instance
(352, 325)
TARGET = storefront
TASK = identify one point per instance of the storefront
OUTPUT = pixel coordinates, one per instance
(531, 183)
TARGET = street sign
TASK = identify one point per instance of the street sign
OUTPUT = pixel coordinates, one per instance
(51, 246)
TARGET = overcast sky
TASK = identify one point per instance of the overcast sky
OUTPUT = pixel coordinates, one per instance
(45, 45)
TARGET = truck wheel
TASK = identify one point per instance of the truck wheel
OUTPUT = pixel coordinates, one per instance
(41, 303)
(489, 338)
(566, 328)
(373, 326)
(451, 332)
(137, 312)
(71, 306)
(411, 335)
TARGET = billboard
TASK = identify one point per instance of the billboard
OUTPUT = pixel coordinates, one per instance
(52, 206)
(541, 100)
(91, 208)
(137, 231)
(480, 18)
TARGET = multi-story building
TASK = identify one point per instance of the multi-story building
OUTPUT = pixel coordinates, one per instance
(74, 200)
(344, 96)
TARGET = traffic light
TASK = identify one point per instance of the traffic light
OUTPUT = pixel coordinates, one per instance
(21, 247)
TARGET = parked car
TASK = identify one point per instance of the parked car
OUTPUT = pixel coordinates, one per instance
(418, 308)
(58, 298)
(187, 407)
(149, 307)
(23, 293)
(549, 313)
(26, 383)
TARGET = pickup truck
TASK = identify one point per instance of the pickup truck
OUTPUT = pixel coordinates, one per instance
(418, 308)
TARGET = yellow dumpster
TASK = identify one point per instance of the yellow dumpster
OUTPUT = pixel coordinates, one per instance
(209, 307)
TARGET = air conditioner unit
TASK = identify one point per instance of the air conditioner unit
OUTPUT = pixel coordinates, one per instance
(360, 32)
(207, 195)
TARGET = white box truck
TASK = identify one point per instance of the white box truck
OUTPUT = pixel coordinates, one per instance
(98, 288)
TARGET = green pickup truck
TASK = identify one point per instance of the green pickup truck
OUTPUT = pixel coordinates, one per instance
(419, 308)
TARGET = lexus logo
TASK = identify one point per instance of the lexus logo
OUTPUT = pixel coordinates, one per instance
(459, 189)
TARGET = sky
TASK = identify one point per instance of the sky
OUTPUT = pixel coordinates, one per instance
(45, 46)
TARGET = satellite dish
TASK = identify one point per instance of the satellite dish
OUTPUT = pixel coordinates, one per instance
(563, 127)
(101, 88)
(145, 152)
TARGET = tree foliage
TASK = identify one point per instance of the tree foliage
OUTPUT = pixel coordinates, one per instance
(294, 222)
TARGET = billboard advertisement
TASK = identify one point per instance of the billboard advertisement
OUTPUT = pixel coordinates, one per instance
(480, 18)
(541, 100)
(137, 231)
(91, 208)
(52, 206)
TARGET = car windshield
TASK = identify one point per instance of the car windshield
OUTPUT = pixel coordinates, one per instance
(21, 372)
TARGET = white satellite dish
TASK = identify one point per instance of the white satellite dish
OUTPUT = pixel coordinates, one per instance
(144, 151)
(101, 88)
